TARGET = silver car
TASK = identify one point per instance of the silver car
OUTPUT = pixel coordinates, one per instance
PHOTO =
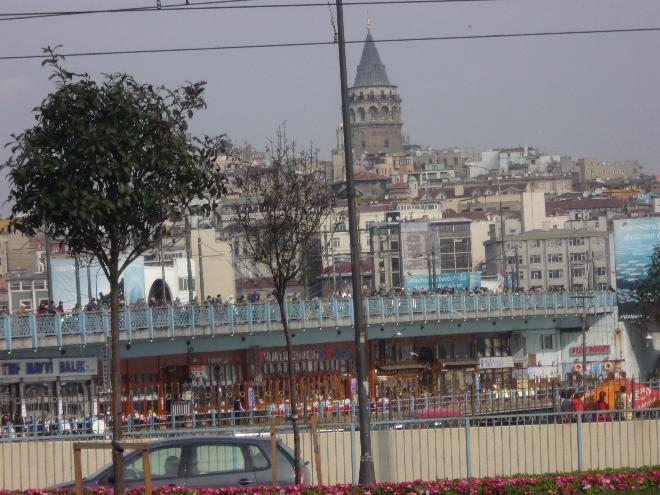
(206, 462)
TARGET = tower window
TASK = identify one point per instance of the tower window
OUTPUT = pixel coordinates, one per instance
(387, 143)
(363, 145)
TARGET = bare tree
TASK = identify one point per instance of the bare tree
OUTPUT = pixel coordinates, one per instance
(284, 206)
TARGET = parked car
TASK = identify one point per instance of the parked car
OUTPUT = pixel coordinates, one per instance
(205, 462)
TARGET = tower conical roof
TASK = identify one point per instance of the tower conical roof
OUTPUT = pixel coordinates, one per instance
(371, 71)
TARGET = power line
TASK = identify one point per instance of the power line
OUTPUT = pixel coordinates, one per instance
(212, 5)
(325, 43)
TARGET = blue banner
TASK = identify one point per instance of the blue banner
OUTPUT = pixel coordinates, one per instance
(449, 280)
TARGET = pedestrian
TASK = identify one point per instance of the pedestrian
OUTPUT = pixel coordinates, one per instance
(578, 403)
(602, 405)
(623, 404)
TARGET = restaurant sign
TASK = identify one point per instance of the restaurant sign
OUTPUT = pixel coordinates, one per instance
(495, 362)
(591, 350)
(47, 368)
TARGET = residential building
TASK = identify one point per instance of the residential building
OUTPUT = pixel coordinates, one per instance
(555, 253)
(590, 169)
(422, 254)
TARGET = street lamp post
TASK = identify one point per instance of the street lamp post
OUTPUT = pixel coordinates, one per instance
(499, 193)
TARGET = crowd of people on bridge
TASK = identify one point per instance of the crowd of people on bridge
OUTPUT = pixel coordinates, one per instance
(103, 304)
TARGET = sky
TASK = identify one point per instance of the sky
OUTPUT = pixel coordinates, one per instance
(584, 95)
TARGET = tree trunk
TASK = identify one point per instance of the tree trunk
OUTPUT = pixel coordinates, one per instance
(115, 379)
(293, 390)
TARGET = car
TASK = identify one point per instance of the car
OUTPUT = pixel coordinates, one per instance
(205, 462)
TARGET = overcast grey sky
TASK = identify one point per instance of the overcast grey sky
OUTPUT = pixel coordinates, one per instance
(585, 95)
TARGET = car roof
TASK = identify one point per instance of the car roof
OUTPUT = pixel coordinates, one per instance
(191, 440)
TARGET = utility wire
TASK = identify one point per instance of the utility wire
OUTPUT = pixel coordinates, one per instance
(324, 43)
(15, 16)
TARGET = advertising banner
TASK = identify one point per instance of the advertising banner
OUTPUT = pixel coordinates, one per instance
(634, 240)
(449, 280)
(94, 280)
(415, 253)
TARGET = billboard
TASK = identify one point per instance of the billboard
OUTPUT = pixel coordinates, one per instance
(93, 281)
(414, 254)
(634, 240)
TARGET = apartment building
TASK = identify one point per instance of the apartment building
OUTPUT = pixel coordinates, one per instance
(551, 252)
(556, 259)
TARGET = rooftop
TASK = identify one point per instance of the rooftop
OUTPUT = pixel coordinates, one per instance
(370, 71)
(369, 176)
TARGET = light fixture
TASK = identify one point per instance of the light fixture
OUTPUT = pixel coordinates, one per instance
(648, 336)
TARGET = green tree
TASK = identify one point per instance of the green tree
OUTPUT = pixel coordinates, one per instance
(283, 207)
(106, 168)
(648, 290)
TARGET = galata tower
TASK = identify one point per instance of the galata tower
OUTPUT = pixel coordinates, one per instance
(374, 105)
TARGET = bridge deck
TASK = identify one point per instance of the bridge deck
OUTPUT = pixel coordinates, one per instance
(25, 331)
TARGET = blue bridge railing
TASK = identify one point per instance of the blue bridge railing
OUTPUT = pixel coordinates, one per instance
(302, 314)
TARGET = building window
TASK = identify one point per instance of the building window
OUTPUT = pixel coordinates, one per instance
(546, 343)
(576, 241)
(535, 259)
(340, 227)
(600, 271)
(577, 257)
(335, 242)
(535, 275)
(534, 243)
(577, 272)
(553, 242)
(39, 284)
(555, 257)
(183, 283)
(555, 273)
(27, 303)
(387, 143)
(15, 286)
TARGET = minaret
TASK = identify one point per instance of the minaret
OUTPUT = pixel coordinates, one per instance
(374, 105)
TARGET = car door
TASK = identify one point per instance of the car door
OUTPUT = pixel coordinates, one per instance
(167, 467)
(263, 467)
(216, 464)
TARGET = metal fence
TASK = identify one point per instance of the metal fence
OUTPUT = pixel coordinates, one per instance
(304, 313)
(80, 415)
(404, 450)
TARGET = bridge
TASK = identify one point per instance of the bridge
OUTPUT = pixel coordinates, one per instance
(145, 325)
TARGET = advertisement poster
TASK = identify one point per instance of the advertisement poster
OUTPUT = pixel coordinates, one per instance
(634, 240)
(93, 281)
(415, 253)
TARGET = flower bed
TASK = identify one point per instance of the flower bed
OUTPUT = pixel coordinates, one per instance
(642, 481)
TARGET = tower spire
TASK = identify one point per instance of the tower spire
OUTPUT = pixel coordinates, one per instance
(368, 24)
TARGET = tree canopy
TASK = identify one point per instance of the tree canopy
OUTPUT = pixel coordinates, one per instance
(105, 168)
(108, 163)
(285, 204)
